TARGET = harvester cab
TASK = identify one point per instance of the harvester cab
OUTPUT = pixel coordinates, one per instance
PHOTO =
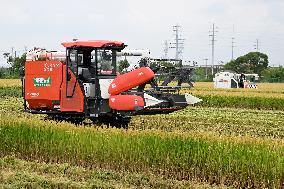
(84, 82)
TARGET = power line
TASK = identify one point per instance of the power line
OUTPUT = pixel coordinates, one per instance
(179, 42)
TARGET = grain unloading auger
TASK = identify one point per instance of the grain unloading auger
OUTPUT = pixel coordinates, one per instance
(86, 84)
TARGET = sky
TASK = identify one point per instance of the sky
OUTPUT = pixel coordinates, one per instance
(146, 25)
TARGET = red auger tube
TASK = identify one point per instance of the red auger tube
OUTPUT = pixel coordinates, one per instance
(131, 79)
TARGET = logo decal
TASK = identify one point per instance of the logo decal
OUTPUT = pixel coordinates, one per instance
(42, 82)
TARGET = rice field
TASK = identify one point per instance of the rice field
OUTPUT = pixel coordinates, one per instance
(267, 96)
(262, 87)
(10, 83)
(17, 173)
(266, 90)
(206, 146)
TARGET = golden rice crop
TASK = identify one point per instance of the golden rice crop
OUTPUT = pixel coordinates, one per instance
(234, 93)
(217, 121)
(267, 90)
(199, 86)
(10, 83)
(264, 87)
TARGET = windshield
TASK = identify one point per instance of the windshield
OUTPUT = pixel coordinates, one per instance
(106, 62)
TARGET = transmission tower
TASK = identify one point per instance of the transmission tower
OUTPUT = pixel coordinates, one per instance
(213, 36)
(179, 42)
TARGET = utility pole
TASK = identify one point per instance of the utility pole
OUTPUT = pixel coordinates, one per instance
(12, 54)
(213, 35)
(179, 42)
(166, 49)
(256, 45)
(206, 72)
(233, 46)
(233, 42)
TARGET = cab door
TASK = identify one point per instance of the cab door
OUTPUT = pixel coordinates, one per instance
(72, 72)
(72, 98)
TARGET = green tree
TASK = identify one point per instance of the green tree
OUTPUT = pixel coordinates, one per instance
(154, 66)
(167, 66)
(200, 75)
(1, 73)
(253, 62)
(273, 74)
(122, 65)
(105, 65)
(17, 64)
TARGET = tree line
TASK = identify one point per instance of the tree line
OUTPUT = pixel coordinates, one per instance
(253, 62)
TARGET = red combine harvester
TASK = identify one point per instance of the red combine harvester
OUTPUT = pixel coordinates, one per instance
(85, 84)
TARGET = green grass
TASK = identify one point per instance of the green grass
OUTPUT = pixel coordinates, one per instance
(16, 173)
(238, 162)
(242, 102)
(13, 91)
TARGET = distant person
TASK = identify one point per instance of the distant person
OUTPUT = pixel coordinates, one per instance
(241, 81)
(253, 79)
